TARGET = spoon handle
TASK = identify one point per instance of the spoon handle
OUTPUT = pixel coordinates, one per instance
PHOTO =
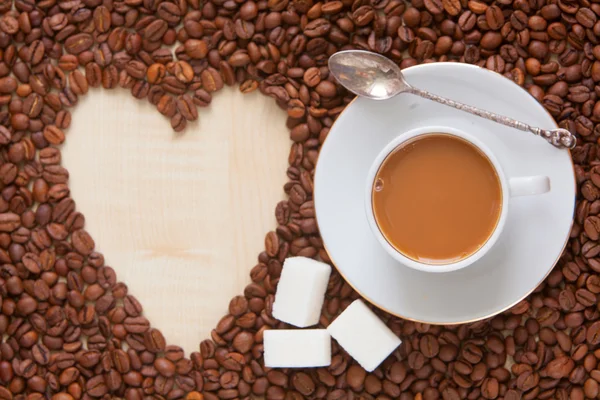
(559, 137)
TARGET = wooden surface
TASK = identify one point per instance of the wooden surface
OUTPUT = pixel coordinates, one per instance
(180, 217)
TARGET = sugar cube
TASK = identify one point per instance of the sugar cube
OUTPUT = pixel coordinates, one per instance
(301, 291)
(297, 348)
(363, 335)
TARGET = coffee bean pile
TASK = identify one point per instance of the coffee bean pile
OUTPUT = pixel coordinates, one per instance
(70, 330)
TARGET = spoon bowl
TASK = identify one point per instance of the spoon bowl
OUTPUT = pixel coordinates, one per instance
(368, 74)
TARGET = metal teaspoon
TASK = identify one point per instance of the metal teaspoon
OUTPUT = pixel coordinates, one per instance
(377, 77)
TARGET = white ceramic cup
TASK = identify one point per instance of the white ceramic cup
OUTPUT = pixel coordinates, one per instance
(511, 187)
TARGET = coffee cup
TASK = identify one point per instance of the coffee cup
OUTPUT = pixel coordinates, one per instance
(508, 187)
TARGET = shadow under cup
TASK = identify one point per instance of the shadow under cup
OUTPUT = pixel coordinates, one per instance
(436, 199)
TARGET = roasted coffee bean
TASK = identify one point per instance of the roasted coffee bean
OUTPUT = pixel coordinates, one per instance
(78, 43)
(429, 346)
(187, 108)
(9, 222)
(53, 134)
(356, 377)
(435, 7)
(559, 367)
(211, 80)
(452, 7)
(494, 17)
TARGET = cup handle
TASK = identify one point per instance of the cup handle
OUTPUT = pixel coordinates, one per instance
(528, 185)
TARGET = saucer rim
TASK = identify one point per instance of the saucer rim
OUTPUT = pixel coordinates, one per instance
(495, 313)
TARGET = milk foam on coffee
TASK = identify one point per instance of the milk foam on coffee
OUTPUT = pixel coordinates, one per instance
(437, 199)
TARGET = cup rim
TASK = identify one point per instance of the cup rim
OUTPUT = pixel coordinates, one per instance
(393, 252)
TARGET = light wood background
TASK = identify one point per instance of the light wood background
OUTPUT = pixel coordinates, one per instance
(180, 217)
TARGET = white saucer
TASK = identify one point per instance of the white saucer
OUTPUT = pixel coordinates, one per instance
(537, 227)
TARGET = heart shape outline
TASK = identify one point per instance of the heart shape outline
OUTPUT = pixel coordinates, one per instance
(114, 155)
